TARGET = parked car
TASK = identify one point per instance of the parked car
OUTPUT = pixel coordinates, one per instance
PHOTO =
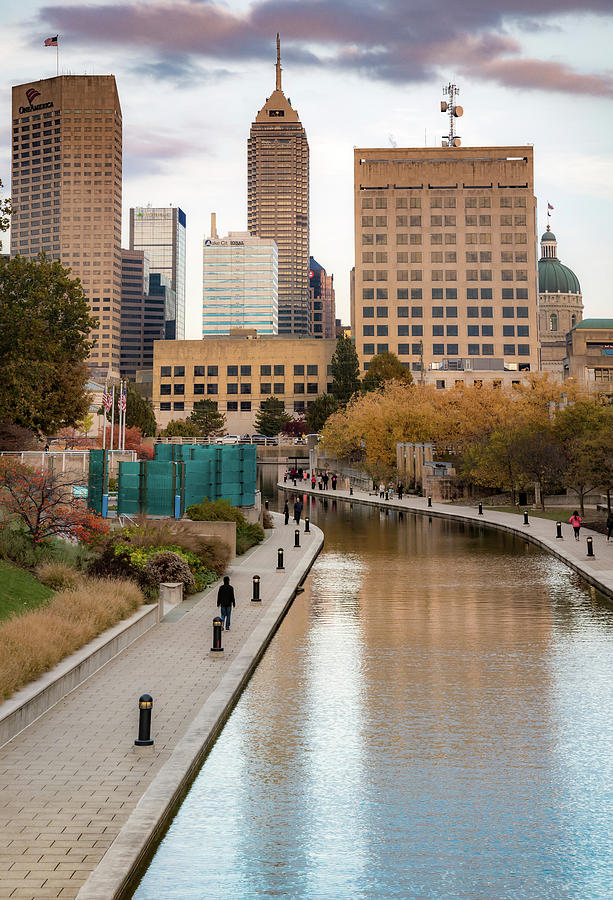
(259, 438)
(230, 439)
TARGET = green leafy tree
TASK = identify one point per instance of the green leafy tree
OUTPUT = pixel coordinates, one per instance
(207, 418)
(320, 409)
(139, 411)
(180, 428)
(44, 342)
(385, 367)
(345, 369)
(271, 417)
(541, 458)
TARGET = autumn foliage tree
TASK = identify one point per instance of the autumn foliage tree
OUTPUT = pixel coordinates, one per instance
(41, 504)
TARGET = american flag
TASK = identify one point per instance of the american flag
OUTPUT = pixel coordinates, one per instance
(51, 41)
(107, 400)
(122, 401)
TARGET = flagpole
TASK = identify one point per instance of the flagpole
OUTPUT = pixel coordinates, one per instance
(123, 419)
(57, 56)
(113, 417)
(104, 411)
(125, 411)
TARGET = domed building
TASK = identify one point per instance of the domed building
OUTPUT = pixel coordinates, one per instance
(560, 305)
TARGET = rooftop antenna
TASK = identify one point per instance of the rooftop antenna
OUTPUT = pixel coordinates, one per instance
(278, 67)
(451, 90)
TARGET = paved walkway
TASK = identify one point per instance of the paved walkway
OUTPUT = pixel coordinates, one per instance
(69, 782)
(598, 571)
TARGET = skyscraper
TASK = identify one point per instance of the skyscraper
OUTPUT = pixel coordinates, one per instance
(278, 200)
(66, 191)
(142, 313)
(160, 232)
(445, 264)
(322, 308)
(239, 283)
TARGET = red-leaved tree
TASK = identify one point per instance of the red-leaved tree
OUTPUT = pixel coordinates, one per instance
(42, 505)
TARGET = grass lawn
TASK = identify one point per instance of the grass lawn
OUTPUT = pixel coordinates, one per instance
(19, 591)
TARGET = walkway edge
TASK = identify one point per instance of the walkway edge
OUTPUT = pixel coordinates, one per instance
(465, 514)
(38, 697)
(115, 875)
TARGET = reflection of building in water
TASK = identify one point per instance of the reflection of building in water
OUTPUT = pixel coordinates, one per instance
(560, 305)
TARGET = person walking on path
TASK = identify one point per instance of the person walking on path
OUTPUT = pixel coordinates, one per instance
(225, 599)
(334, 482)
(575, 521)
(609, 526)
(297, 511)
(381, 490)
(325, 480)
(313, 481)
(286, 512)
(400, 490)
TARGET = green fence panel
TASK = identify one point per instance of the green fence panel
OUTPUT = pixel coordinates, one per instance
(131, 488)
(97, 480)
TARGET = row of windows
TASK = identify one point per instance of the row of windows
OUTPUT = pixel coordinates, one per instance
(449, 312)
(450, 293)
(449, 256)
(443, 275)
(213, 371)
(440, 202)
(277, 387)
(449, 330)
(440, 221)
(448, 350)
(233, 405)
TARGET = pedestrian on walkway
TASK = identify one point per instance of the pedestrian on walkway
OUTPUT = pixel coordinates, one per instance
(381, 490)
(325, 479)
(334, 482)
(400, 490)
(286, 512)
(575, 521)
(609, 526)
(313, 481)
(225, 599)
(297, 511)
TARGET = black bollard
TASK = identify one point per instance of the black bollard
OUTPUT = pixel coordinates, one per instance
(590, 548)
(429, 502)
(145, 704)
(256, 589)
(297, 538)
(480, 509)
(265, 504)
(217, 629)
(280, 565)
(307, 523)
(559, 531)
(526, 522)
(351, 490)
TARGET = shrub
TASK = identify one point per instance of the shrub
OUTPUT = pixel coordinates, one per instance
(247, 536)
(33, 643)
(168, 566)
(58, 576)
(222, 510)
(214, 553)
(17, 547)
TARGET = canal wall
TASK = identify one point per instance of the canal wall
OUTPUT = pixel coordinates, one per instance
(596, 570)
(118, 870)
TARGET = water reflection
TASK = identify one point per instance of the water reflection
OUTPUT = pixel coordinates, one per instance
(433, 719)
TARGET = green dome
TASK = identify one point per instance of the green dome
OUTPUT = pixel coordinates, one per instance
(548, 236)
(554, 277)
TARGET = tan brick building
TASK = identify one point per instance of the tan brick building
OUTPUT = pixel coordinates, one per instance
(560, 305)
(589, 355)
(445, 261)
(66, 190)
(237, 372)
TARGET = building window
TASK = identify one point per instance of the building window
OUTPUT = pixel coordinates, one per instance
(508, 349)
(164, 406)
(165, 371)
(403, 330)
(368, 330)
(245, 405)
(298, 370)
(487, 349)
(232, 405)
(437, 312)
(472, 312)
(508, 330)
(438, 330)
(279, 370)
(312, 387)
(245, 370)
(473, 349)
(403, 312)
(368, 312)
(451, 312)
(211, 371)
(523, 331)
(416, 349)
(417, 330)
(265, 388)
(382, 348)
(452, 349)
(211, 389)
(368, 293)
(487, 331)
(382, 312)
(232, 388)
(368, 349)
(553, 322)
(452, 331)
(522, 312)
(179, 389)
(199, 388)
(265, 370)
(298, 387)
(523, 349)
(508, 312)
(279, 387)
(245, 387)
(299, 406)
(179, 405)
(487, 312)
(438, 349)
(179, 371)
(232, 371)
(198, 371)
(382, 331)
(473, 330)
(403, 350)
(165, 389)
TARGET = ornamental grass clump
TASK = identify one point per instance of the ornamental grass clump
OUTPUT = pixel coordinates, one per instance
(58, 576)
(34, 642)
(168, 566)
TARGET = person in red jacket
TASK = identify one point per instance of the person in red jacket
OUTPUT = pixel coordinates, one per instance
(575, 521)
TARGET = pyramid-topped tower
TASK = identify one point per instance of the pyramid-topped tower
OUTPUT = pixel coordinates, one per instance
(278, 199)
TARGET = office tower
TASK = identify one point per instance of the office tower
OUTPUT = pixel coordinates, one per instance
(445, 261)
(160, 233)
(159, 286)
(239, 283)
(66, 190)
(143, 313)
(560, 305)
(278, 200)
(322, 308)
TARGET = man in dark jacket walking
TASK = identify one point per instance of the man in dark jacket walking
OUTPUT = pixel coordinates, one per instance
(297, 511)
(225, 599)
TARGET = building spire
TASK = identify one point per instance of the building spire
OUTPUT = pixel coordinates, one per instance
(278, 66)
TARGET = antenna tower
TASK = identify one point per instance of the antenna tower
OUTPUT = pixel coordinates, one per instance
(449, 106)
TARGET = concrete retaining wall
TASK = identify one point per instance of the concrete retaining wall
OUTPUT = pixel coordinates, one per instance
(36, 698)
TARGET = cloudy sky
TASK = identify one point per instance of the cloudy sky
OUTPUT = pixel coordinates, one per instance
(192, 75)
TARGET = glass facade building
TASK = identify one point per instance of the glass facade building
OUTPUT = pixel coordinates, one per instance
(239, 284)
(143, 313)
(160, 233)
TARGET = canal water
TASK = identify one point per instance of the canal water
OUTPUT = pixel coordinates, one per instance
(433, 719)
